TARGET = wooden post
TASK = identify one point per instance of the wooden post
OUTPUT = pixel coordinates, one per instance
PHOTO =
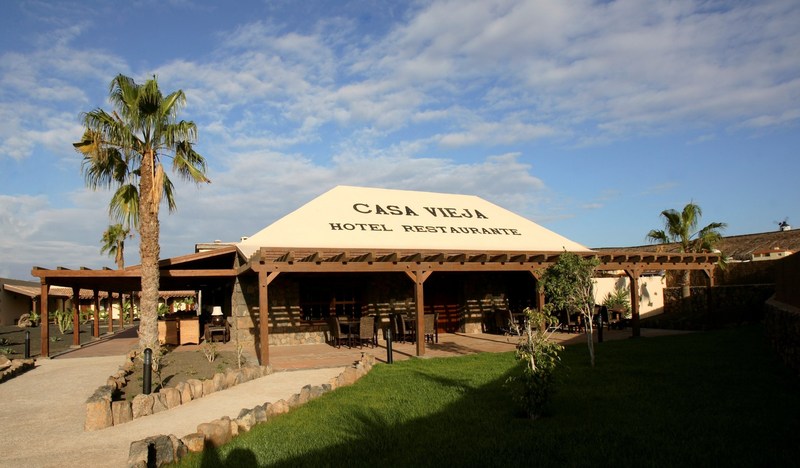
(45, 320)
(709, 300)
(110, 311)
(539, 292)
(264, 279)
(419, 277)
(133, 306)
(96, 327)
(634, 277)
(121, 312)
(76, 317)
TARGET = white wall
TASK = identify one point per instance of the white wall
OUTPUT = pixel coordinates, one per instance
(651, 292)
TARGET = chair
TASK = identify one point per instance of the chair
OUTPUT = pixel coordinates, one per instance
(430, 328)
(336, 332)
(366, 331)
(515, 326)
(565, 321)
(601, 313)
(402, 333)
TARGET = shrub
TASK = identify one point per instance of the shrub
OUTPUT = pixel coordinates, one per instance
(539, 355)
(619, 299)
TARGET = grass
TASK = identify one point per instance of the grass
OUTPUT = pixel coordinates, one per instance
(717, 398)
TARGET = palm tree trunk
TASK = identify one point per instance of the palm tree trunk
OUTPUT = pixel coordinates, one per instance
(149, 251)
(685, 284)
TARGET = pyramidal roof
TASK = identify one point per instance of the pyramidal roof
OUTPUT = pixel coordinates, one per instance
(372, 218)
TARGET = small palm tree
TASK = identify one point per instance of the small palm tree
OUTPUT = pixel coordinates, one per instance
(680, 228)
(125, 149)
(114, 243)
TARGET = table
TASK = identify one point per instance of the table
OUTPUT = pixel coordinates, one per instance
(212, 330)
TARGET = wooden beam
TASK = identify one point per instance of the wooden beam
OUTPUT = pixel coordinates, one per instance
(222, 273)
(501, 258)
(480, 258)
(458, 258)
(390, 257)
(288, 257)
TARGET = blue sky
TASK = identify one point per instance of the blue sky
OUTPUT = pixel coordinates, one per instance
(587, 117)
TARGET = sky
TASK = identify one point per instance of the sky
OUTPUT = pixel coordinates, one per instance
(587, 117)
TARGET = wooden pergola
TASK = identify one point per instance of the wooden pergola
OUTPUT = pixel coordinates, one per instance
(190, 271)
(269, 263)
(182, 273)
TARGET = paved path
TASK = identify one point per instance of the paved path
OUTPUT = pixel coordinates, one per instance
(42, 412)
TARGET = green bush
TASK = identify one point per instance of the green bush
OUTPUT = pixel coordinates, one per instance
(619, 299)
(533, 389)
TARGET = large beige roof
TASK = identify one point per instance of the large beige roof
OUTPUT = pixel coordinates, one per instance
(371, 218)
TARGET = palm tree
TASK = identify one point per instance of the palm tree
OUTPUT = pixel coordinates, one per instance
(680, 228)
(114, 243)
(125, 149)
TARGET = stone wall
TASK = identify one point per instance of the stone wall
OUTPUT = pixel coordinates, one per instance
(782, 323)
(727, 304)
(164, 449)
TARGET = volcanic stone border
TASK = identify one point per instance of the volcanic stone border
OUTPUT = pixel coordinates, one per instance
(162, 449)
(102, 412)
(14, 367)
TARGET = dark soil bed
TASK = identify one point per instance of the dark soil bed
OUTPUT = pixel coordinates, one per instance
(12, 339)
(179, 366)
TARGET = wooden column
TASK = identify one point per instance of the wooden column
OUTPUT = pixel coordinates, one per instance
(634, 277)
(419, 277)
(539, 292)
(121, 312)
(76, 317)
(709, 300)
(264, 279)
(45, 320)
(133, 306)
(110, 312)
(96, 302)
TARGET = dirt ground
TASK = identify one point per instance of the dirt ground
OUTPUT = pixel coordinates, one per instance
(12, 339)
(180, 366)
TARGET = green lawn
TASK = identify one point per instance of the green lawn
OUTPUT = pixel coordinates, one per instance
(706, 399)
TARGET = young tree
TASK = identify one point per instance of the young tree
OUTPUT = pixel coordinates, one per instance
(114, 243)
(680, 228)
(125, 148)
(569, 288)
(540, 356)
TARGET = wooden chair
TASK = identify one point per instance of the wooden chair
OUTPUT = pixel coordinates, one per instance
(566, 322)
(431, 333)
(366, 331)
(402, 333)
(337, 337)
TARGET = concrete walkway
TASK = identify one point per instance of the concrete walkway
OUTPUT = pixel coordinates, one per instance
(42, 412)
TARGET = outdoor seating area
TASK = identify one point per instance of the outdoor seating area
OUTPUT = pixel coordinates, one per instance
(366, 329)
